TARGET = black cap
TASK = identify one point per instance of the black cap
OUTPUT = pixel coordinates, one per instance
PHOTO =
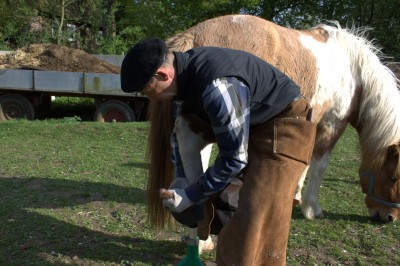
(141, 63)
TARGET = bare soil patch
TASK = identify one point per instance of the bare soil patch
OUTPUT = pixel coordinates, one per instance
(55, 58)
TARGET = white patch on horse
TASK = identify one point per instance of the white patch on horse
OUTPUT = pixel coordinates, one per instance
(334, 80)
(238, 19)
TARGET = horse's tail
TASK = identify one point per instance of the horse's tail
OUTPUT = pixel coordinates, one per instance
(160, 172)
(160, 168)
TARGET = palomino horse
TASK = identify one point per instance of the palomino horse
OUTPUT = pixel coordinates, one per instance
(338, 70)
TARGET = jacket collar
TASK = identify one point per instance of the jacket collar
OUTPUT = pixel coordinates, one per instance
(181, 62)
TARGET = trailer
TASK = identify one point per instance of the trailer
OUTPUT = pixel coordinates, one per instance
(24, 93)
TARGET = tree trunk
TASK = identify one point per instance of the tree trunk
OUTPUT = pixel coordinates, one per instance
(60, 25)
(108, 20)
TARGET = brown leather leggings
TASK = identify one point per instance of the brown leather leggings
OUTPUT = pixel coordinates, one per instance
(279, 151)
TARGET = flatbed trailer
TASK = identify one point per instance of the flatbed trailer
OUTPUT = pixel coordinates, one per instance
(25, 93)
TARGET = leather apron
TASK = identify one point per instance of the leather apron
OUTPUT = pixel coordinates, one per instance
(279, 151)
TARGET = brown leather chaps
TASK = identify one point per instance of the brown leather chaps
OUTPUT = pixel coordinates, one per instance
(278, 153)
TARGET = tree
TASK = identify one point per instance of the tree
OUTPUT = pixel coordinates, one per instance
(381, 16)
(14, 23)
(124, 22)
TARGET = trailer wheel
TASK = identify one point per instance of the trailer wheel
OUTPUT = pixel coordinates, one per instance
(15, 106)
(114, 111)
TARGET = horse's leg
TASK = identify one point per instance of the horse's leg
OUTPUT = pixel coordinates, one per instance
(327, 136)
(208, 244)
(195, 153)
(205, 155)
(190, 147)
(309, 202)
(300, 184)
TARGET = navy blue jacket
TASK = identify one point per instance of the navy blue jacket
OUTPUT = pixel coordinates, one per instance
(271, 90)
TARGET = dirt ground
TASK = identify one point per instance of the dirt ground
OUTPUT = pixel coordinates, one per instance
(55, 57)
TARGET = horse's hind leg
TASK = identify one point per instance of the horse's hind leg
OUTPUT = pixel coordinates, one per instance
(206, 245)
(205, 155)
(309, 202)
(195, 153)
(191, 145)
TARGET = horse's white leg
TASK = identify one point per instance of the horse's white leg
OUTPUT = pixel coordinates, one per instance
(206, 245)
(195, 153)
(299, 188)
(190, 146)
(309, 202)
(205, 156)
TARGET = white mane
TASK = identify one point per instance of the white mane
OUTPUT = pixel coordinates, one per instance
(379, 113)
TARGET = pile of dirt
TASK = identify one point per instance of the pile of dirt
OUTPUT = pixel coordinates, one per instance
(56, 58)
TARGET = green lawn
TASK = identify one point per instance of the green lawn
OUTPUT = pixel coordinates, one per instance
(73, 193)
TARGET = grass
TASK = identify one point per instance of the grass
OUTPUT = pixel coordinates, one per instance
(73, 193)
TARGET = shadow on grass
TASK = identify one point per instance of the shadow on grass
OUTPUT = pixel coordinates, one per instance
(332, 216)
(137, 165)
(354, 182)
(29, 237)
(70, 107)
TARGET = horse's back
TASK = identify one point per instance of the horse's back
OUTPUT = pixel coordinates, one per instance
(275, 44)
(233, 31)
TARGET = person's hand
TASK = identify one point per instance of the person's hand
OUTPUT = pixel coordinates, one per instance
(175, 200)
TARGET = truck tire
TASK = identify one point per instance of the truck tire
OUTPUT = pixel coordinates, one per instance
(114, 111)
(15, 106)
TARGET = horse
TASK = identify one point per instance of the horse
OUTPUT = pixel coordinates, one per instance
(339, 71)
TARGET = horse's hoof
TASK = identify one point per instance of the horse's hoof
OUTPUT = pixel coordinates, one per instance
(206, 245)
